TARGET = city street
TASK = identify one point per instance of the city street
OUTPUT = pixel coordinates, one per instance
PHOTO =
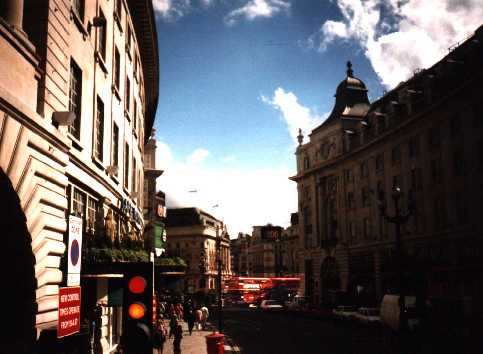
(258, 332)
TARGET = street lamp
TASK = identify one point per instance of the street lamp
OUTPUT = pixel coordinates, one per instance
(399, 218)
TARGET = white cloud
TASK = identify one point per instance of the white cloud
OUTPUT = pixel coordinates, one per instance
(228, 158)
(295, 115)
(172, 10)
(257, 8)
(246, 197)
(400, 37)
(198, 156)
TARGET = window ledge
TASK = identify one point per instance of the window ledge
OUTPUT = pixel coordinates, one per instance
(114, 178)
(126, 191)
(116, 92)
(98, 163)
(78, 22)
(75, 142)
(128, 51)
(117, 19)
(127, 114)
(101, 62)
(134, 132)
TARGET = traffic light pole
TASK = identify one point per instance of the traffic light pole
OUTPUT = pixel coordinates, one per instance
(220, 304)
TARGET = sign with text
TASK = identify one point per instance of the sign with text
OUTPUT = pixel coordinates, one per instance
(69, 311)
(74, 251)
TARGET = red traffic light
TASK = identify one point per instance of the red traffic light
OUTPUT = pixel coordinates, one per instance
(136, 310)
(137, 284)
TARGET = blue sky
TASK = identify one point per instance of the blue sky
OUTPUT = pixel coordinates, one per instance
(238, 78)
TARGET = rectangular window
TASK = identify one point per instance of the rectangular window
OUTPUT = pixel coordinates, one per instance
(115, 145)
(136, 65)
(78, 203)
(436, 170)
(380, 163)
(396, 155)
(434, 138)
(350, 200)
(396, 182)
(102, 37)
(118, 9)
(349, 177)
(366, 198)
(133, 175)
(75, 98)
(128, 40)
(117, 68)
(128, 95)
(364, 169)
(416, 182)
(99, 130)
(458, 162)
(135, 116)
(78, 8)
(92, 206)
(367, 229)
(126, 165)
(413, 147)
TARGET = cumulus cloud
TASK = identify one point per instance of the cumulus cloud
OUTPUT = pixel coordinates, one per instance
(198, 156)
(295, 115)
(401, 36)
(173, 10)
(245, 197)
(257, 8)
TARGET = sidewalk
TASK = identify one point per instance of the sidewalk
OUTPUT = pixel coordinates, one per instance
(196, 343)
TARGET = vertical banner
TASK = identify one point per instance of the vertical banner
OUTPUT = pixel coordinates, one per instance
(159, 239)
(69, 311)
(74, 249)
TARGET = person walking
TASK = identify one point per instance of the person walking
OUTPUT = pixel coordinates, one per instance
(173, 322)
(190, 319)
(178, 336)
(204, 316)
(159, 337)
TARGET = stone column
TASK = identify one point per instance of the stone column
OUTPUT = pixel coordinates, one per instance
(12, 12)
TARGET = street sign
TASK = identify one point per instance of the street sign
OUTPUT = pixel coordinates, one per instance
(74, 251)
(69, 311)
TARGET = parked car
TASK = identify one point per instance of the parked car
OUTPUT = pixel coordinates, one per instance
(368, 315)
(297, 303)
(344, 312)
(270, 305)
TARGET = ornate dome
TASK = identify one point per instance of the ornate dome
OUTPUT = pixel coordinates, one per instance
(350, 98)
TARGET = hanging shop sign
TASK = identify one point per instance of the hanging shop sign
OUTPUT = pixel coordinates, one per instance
(130, 211)
(159, 238)
(74, 250)
(69, 311)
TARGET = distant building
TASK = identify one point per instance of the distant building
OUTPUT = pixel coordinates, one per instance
(192, 235)
(423, 137)
(239, 254)
(78, 96)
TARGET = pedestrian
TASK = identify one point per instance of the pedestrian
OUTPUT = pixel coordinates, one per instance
(179, 310)
(178, 335)
(190, 319)
(198, 316)
(204, 316)
(159, 337)
(173, 322)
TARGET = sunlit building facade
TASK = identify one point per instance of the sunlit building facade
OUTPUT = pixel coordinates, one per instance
(78, 94)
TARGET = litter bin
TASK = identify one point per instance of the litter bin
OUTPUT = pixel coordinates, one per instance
(215, 344)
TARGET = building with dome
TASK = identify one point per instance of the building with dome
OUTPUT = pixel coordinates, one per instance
(421, 143)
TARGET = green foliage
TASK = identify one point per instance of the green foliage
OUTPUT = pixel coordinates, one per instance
(110, 255)
(170, 262)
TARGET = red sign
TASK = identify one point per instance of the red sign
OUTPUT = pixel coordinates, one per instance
(69, 311)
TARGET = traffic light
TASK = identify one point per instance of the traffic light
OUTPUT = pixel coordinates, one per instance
(138, 308)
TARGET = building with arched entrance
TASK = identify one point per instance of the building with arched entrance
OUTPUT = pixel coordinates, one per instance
(78, 95)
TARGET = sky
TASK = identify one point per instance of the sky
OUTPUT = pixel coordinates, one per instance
(238, 78)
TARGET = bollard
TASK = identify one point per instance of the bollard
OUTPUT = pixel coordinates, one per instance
(215, 344)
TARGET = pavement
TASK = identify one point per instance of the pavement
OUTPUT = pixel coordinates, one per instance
(196, 342)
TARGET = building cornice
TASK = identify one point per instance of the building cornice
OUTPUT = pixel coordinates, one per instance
(142, 15)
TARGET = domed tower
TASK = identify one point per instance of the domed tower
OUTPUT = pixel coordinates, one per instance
(350, 98)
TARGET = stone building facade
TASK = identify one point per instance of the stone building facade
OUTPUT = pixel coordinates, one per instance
(78, 94)
(424, 137)
(239, 254)
(192, 235)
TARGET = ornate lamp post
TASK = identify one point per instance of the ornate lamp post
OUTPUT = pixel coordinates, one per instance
(399, 218)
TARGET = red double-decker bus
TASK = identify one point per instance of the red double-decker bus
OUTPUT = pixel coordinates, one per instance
(249, 290)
